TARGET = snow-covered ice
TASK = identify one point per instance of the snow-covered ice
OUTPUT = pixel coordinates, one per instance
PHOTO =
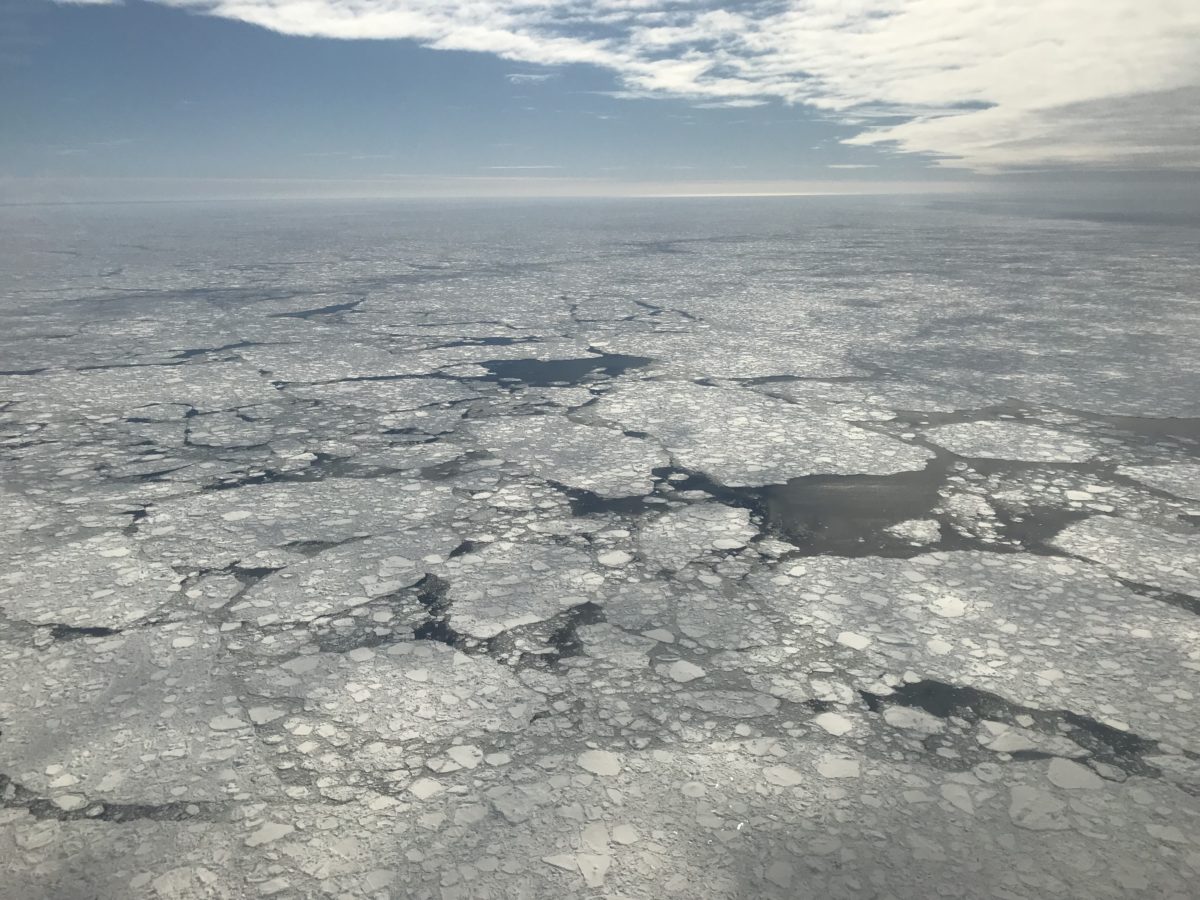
(714, 549)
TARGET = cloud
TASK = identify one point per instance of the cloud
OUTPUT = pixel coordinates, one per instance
(738, 103)
(528, 77)
(985, 84)
(90, 147)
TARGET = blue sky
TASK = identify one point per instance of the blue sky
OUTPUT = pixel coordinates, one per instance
(594, 92)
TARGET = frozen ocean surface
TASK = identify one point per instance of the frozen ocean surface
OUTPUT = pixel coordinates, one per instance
(774, 548)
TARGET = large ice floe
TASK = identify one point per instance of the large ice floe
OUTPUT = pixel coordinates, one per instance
(1138, 552)
(709, 549)
(740, 438)
(1001, 440)
(603, 461)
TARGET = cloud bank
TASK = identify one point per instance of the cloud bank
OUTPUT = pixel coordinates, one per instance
(991, 85)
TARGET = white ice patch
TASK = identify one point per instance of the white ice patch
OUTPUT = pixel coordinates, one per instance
(391, 395)
(129, 390)
(592, 458)
(741, 438)
(1137, 552)
(917, 531)
(679, 536)
(99, 582)
(135, 718)
(405, 692)
(737, 354)
(505, 586)
(1009, 440)
(348, 575)
(1180, 479)
(1036, 630)
(330, 510)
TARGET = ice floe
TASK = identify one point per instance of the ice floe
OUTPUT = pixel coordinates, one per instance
(741, 438)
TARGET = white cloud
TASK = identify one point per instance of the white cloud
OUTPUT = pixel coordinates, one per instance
(988, 84)
(528, 77)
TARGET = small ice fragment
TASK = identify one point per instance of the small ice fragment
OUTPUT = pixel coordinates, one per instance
(261, 715)
(466, 755)
(272, 831)
(853, 641)
(783, 776)
(833, 723)
(683, 671)
(1072, 776)
(600, 762)
(838, 767)
(424, 788)
(913, 720)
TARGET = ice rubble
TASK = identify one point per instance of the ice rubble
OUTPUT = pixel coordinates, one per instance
(366, 575)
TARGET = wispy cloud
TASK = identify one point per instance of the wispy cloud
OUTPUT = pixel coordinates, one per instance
(736, 103)
(529, 77)
(90, 147)
(980, 83)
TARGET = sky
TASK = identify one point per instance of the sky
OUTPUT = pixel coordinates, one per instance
(465, 97)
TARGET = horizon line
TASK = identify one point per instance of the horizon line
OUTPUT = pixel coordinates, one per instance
(23, 191)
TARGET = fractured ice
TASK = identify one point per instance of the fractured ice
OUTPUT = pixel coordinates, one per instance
(839, 548)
